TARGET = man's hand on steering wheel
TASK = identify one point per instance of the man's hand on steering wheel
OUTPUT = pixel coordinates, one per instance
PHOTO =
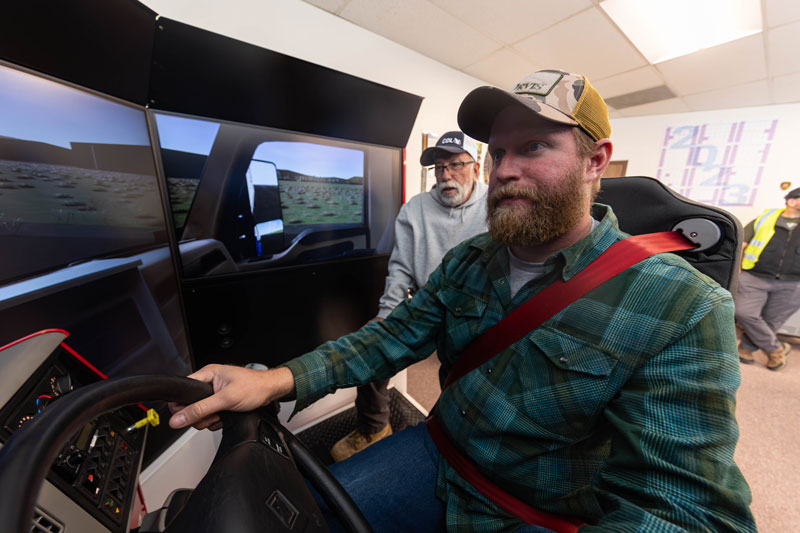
(235, 389)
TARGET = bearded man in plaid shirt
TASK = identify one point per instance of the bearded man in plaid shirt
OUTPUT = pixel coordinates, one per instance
(617, 411)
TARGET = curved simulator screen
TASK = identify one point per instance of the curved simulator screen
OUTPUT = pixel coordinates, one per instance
(77, 179)
(245, 197)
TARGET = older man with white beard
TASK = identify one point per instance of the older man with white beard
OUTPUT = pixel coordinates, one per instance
(425, 229)
(616, 413)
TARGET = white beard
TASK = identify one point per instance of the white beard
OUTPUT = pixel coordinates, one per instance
(454, 200)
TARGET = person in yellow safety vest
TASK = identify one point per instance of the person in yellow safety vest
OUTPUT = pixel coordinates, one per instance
(769, 285)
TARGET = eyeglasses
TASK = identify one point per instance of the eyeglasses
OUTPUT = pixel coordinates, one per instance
(456, 166)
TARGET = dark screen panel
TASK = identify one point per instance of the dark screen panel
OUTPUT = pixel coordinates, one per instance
(202, 73)
(272, 316)
(101, 44)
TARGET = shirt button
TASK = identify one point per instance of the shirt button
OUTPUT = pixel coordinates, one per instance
(458, 309)
(488, 370)
(564, 360)
(463, 413)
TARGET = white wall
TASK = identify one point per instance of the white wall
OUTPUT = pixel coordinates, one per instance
(300, 30)
(735, 159)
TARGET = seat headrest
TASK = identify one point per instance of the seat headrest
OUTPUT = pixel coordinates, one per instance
(646, 205)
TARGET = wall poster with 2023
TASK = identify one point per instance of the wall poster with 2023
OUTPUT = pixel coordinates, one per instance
(719, 163)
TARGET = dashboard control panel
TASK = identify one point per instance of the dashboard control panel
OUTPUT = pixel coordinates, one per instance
(98, 467)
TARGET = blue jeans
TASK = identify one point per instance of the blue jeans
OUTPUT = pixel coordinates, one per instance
(393, 482)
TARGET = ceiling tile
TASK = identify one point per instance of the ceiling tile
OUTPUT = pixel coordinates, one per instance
(779, 12)
(786, 89)
(503, 41)
(566, 46)
(722, 66)
(512, 20)
(748, 94)
(331, 6)
(422, 26)
(782, 46)
(673, 105)
(503, 68)
(628, 82)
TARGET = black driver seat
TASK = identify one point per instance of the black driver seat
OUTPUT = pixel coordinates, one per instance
(646, 205)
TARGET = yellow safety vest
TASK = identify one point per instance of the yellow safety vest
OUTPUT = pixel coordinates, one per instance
(764, 230)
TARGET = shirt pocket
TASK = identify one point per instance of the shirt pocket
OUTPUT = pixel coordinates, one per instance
(565, 383)
(463, 317)
(460, 303)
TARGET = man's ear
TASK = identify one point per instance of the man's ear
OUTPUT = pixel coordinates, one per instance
(476, 170)
(600, 158)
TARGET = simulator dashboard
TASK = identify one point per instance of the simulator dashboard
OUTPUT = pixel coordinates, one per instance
(97, 469)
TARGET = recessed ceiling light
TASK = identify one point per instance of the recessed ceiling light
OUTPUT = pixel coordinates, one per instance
(666, 29)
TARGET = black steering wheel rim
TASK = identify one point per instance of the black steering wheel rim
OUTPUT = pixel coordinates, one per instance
(27, 456)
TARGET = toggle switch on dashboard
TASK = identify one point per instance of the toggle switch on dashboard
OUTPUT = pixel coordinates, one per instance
(151, 418)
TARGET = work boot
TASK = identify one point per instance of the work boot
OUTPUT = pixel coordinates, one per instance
(746, 356)
(355, 441)
(777, 359)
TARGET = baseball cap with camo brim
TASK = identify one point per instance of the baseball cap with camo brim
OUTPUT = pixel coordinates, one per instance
(453, 142)
(555, 95)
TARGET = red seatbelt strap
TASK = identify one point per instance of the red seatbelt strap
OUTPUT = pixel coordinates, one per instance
(527, 317)
(467, 470)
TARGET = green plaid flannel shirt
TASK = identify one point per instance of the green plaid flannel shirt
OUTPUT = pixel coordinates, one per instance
(619, 409)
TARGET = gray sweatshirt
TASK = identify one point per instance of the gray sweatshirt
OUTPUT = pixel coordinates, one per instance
(425, 230)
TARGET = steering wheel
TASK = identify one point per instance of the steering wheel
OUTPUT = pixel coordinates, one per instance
(249, 441)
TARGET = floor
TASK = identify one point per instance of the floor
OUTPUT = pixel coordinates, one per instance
(768, 403)
(321, 437)
(423, 381)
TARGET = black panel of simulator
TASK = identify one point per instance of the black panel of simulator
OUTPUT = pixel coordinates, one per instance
(151, 222)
